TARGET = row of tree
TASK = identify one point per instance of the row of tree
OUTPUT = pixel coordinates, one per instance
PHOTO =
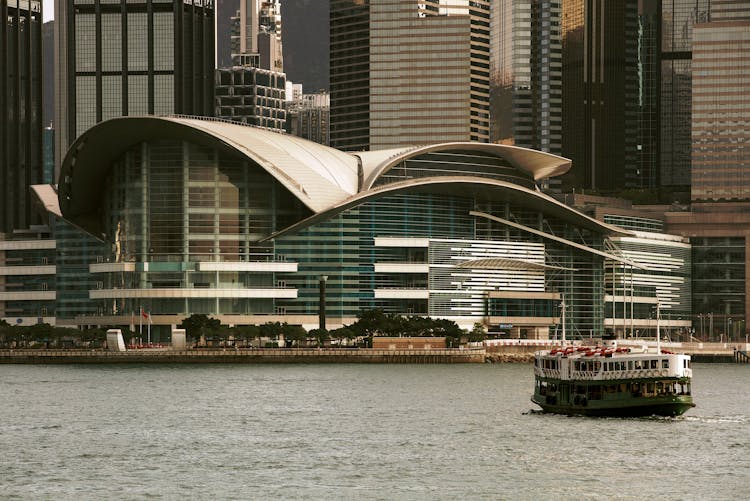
(202, 329)
(369, 323)
(48, 336)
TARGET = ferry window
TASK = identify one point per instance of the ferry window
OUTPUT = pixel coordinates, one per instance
(653, 364)
(637, 365)
(630, 365)
(650, 388)
(665, 364)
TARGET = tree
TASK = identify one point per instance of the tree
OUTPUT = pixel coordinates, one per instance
(320, 336)
(271, 330)
(294, 333)
(478, 333)
(198, 324)
(343, 333)
(247, 333)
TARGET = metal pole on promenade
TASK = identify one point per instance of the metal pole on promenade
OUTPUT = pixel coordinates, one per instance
(322, 302)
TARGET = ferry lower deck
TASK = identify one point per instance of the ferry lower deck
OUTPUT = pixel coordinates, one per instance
(643, 397)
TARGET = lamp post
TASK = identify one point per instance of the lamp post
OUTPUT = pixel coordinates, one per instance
(322, 302)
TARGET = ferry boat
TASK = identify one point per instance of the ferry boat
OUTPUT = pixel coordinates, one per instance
(612, 380)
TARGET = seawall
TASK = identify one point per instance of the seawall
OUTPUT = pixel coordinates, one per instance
(254, 356)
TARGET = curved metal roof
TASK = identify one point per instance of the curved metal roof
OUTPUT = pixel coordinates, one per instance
(318, 175)
(323, 178)
(457, 185)
(538, 164)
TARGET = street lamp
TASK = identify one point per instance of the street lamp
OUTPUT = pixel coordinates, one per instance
(322, 302)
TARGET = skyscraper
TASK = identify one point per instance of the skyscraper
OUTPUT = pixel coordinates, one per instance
(721, 112)
(576, 78)
(132, 57)
(408, 72)
(256, 35)
(526, 85)
(252, 91)
(678, 18)
(21, 143)
(600, 92)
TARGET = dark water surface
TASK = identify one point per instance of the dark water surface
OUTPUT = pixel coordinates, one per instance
(353, 432)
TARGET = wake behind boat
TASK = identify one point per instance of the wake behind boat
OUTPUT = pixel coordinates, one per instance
(608, 380)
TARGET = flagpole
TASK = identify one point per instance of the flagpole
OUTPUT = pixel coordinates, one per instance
(140, 323)
(149, 328)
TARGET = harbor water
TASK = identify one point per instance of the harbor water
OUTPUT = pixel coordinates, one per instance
(353, 432)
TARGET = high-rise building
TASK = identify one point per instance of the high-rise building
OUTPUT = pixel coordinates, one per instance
(678, 18)
(21, 143)
(600, 92)
(308, 117)
(716, 76)
(408, 72)
(253, 90)
(721, 112)
(252, 96)
(133, 57)
(526, 87)
(256, 35)
(585, 65)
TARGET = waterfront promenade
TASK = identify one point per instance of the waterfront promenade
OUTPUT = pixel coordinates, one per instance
(507, 350)
(522, 350)
(253, 356)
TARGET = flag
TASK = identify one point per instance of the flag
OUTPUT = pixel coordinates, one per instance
(145, 315)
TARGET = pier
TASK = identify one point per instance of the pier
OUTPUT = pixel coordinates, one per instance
(741, 356)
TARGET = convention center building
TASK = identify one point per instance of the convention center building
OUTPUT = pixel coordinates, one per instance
(249, 225)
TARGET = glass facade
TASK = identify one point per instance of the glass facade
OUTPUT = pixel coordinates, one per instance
(719, 285)
(526, 87)
(174, 205)
(349, 250)
(406, 72)
(455, 163)
(349, 24)
(21, 149)
(132, 58)
(721, 112)
(677, 20)
(600, 93)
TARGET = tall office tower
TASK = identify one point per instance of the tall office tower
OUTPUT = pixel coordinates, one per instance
(253, 90)
(252, 96)
(21, 144)
(526, 74)
(408, 72)
(678, 18)
(600, 93)
(648, 94)
(721, 112)
(256, 35)
(130, 57)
